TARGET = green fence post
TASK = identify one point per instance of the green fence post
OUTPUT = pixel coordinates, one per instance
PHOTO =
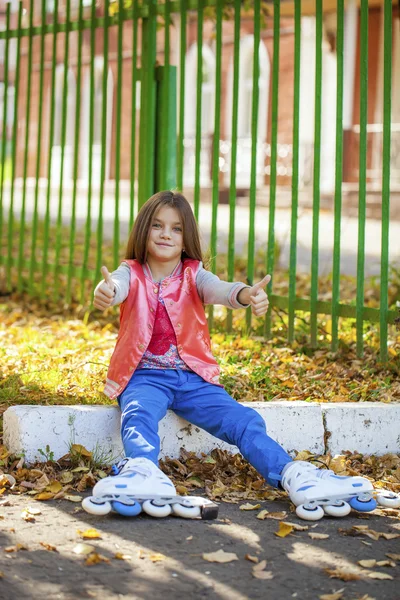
(147, 106)
(165, 131)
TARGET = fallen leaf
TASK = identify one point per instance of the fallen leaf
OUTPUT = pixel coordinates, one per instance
(318, 536)
(277, 515)
(157, 557)
(44, 496)
(190, 537)
(49, 547)
(249, 506)
(89, 534)
(95, 558)
(390, 536)
(376, 575)
(259, 573)
(54, 487)
(15, 548)
(253, 559)
(27, 516)
(296, 527)
(262, 515)
(334, 596)
(393, 556)
(73, 498)
(220, 556)
(81, 450)
(284, 529)
(32, 510)
(342, 574)
(395, 525)
(368, 564)
(83, 549)
(66, 477)
(385, 563)
(121, 556)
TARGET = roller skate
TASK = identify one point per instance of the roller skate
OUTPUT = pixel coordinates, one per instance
(136, 485)
(317, 492)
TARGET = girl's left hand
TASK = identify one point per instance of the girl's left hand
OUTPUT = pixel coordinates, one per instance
(258, 298)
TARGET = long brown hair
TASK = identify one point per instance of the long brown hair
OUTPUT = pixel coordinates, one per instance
(138, 238)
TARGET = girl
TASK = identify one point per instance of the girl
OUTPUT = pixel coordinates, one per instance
(163, 359)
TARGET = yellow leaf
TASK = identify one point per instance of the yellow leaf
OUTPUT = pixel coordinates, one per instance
(297, 527)
(262, 515)
(259, 573)
(250, 506)
(284, 530)
(81, 450)
(157, 557)
(120, 556)
(220, 556)
(89, 534)
(94, 559)
(54, 487)
(44, 496)
(73, 498)
(393, 556)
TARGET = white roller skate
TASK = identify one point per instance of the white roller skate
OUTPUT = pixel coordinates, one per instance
(137, 484)
(316, 492)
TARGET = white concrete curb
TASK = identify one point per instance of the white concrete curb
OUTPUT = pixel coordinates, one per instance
(370, 428)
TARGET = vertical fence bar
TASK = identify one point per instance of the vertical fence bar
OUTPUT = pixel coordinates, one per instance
(181, 128)
(121, 12)
(33, 263)
(77, 126)
(295, 170)
(338, 175)
(270, 255)
(147, 106)
(26, 149)
(199, 85)
(317, 171)
(4, 133)
(215, 155)
(234, 135)
(253, 167)
(104, 107)
(164, 91)
(387, 103)
(88, 224)
(14, 152)
(65, 89)
(133, 117)
(362, 195)
(46, 234)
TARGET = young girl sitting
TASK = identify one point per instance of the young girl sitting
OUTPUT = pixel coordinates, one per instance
(163, 360)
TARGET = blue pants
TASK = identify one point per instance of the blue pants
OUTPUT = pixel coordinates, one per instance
(151, 392)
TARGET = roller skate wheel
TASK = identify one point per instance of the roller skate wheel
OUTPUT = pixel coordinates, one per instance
(127, 510)
(388, 500)
(310, 513)
(337, 509)
(363, 503)
(155, 510)
(95, 508)
(186, 512)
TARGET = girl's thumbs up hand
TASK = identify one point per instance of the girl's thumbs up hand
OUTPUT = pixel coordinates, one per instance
(258, 298)
(104, 292)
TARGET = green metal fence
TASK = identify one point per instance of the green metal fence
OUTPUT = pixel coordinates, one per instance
(78, 175)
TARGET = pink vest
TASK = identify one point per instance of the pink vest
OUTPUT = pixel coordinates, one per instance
(137, 315)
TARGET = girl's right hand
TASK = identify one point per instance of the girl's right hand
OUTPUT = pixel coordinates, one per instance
(105, 292)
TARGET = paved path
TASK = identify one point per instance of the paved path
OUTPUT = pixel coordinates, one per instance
(297, 563)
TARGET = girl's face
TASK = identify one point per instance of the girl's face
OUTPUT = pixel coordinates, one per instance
(165, 242)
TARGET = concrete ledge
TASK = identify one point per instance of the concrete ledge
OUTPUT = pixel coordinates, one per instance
(372, 428)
